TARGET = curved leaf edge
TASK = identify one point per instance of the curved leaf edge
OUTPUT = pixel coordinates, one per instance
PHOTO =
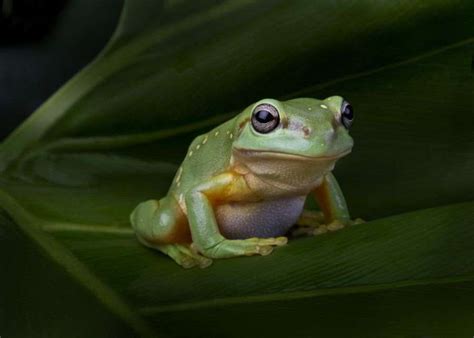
(51, 111)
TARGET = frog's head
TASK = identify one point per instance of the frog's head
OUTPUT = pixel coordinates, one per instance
(302, 127)
(302, 132)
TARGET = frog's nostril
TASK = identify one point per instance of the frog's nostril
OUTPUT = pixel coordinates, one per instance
(306, 131)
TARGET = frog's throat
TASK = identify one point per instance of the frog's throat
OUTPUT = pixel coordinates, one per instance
(287, 172)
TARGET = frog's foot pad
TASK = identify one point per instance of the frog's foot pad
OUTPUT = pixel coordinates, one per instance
(263, 246)
(245, 247)
(357, 221)
(276, 241)
(192, 258)
(183, 255)
(259, 246)
(334, 226)
(308, 222)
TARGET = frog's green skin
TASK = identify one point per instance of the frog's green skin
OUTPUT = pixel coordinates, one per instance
(239, 191)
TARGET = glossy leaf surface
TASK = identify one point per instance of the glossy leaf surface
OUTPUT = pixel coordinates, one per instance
(115, 134)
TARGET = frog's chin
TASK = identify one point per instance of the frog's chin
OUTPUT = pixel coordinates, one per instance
(265, 154)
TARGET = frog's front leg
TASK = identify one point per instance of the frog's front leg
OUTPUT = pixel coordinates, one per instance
(332, 203)
(206, 236)
(335, 214)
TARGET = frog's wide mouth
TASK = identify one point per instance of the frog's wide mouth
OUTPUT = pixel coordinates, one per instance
(283, 155)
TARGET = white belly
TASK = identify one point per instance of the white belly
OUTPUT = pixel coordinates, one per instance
(259, 219)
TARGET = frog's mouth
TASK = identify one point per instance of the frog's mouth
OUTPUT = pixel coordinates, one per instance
(282, 155)
(286, 171)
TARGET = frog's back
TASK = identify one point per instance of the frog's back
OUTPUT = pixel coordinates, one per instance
(208, 155)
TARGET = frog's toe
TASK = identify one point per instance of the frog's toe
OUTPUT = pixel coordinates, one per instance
(263, 250)
(335, 225)
(322, 229)
(239, 247)
(273, 241)
(277, 241)
(204, 262)
(199, 260)
(186, 262)
(357, 221)
(183, 259)
(178, 253)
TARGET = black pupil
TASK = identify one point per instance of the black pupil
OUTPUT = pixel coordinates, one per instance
(264, 116)
(348, 112)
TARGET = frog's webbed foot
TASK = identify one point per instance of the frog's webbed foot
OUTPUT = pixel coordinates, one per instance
(335, 225)
(182, 254)
(311, 223)
(244, 247)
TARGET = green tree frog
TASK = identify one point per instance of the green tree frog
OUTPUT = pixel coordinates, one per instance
(243, 185)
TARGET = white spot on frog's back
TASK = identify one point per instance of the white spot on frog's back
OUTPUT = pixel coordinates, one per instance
(178, 174)
(181, 203)
(259, 219)
(324, 106)
(177, 180)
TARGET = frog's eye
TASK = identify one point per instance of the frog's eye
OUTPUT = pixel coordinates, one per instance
(265, 118)
(347, 114)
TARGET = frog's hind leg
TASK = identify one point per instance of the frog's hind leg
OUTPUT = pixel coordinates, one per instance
(162, 225)
(160, 222)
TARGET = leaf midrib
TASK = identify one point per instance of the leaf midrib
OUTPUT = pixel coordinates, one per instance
(295, 295)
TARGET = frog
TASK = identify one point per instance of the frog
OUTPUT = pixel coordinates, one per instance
(243, 185)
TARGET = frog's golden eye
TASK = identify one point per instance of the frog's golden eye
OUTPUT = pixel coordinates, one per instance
(347, 114)
(265, 118)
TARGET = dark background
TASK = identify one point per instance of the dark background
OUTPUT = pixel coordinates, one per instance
(43, 43)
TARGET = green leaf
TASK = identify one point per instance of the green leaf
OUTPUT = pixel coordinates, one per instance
(115, 134)
(41, 298)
